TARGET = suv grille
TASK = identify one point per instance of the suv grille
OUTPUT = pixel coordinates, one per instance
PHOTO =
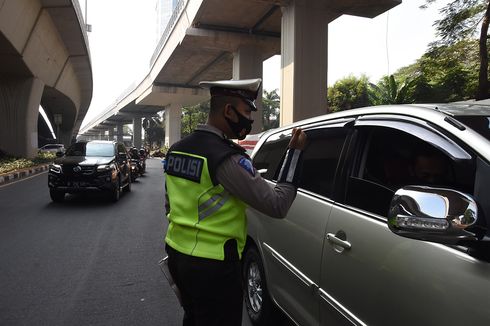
(72, 170)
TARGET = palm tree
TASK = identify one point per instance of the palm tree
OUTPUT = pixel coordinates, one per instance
(389, 91)
(270, 106)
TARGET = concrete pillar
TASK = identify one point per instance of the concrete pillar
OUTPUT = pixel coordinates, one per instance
(19, 110)
(173, 122)
(120, 131)
(137, 132)
(304, 40)
(65, 137)
(111, 133)
(247, 64)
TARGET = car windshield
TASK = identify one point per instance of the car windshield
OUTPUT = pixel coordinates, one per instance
(91, 149)
(480, 124)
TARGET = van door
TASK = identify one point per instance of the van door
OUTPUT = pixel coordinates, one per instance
(371, 276)
(292, 247)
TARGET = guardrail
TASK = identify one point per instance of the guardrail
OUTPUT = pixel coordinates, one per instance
(179, 8)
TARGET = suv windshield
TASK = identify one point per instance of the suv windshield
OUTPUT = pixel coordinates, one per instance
(480, 124)
(91, 149)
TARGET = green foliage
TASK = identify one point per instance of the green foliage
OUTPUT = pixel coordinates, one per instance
(445, 73)
(154, 129)
(194, 115)
(390, 91)
(9, 163)
(348, 93)
(270, 106)
(159, 152)
(460, 20)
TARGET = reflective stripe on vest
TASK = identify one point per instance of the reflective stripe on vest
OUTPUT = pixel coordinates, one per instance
(212, 205)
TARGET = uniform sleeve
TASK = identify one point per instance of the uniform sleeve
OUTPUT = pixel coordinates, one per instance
(237, 175)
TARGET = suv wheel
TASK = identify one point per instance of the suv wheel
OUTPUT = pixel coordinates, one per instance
(260, 307)
(116, 192)
(56, 195)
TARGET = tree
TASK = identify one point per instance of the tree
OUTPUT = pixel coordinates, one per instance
(390, 91)
(461, 21)
(270, 107)
(445, 73)
(348, 93)
(192, 116)
(154, 129)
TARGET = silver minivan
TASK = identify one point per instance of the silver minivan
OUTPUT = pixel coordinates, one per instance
(390, 225)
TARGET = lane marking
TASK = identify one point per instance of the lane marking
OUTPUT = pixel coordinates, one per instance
(23, 179)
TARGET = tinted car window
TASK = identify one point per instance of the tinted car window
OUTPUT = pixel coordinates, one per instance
(320, 159)
(389, 159)
(270, 156)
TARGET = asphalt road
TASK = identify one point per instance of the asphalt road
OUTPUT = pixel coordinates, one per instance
(86, 261)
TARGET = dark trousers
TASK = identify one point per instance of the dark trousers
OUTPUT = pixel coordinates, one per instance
(211, 289)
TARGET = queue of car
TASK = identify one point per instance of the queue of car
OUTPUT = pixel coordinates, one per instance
(390, 226)
(94, 166)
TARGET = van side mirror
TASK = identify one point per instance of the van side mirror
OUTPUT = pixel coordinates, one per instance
(433, 214)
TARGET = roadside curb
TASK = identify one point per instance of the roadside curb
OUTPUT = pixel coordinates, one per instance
(21, 174)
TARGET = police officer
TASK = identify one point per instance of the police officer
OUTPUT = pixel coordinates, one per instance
(210, 181)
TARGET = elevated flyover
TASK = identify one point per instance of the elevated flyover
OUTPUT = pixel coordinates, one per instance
(44, 59)
(214, 39)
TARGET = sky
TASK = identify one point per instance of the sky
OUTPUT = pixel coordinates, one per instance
(124, 37)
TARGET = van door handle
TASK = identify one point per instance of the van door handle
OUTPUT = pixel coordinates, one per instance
(335, 240)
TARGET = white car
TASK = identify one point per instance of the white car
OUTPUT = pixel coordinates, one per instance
(52, 148)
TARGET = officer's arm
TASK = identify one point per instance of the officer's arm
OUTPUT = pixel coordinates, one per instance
(238, 177)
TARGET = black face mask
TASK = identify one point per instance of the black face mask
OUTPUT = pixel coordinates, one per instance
(237, 127)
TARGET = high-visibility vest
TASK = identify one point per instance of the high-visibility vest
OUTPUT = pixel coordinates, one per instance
(205, 220)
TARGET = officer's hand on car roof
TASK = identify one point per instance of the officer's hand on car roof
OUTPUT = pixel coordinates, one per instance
(298, 139)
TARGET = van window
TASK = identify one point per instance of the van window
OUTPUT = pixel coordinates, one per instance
(388, 159)
(321, 158)
(270, 155)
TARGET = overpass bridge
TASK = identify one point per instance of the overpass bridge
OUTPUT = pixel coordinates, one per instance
(44, 59)
(213, 40)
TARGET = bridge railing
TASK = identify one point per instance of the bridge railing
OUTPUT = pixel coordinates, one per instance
(179, 9)
(177, 12)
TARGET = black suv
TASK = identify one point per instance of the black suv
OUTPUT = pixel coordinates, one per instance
(90, 166)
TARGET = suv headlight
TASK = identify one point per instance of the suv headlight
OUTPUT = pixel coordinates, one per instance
(106, 167)
(55, 168)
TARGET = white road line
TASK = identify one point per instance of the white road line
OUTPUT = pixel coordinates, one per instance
(22, 179)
